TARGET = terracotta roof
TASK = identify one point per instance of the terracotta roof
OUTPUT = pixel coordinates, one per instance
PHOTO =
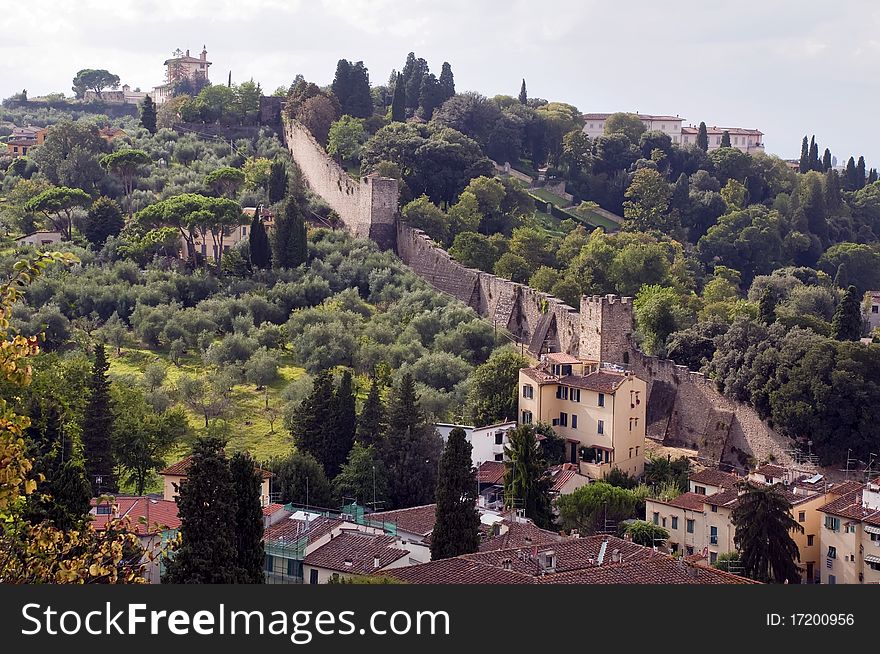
(715, 477)
(657, 569)
(179, 468)
(727, 497)
(147, 515)
(456, 571)
(417, 520)
(770, 470)
(561, 357)
(690, 501)
(718, 131)
(186, 59)
(850, 506)
(517, 534)
(272, 508)
(561, 475)
(491, 472)
(601, 381)
(603, 116)
(355, 553)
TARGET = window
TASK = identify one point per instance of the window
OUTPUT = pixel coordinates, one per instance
(600, 426)
(563, 419)
(561, 392)
(526, 417)
(675, 522)
(294, 568)
(875, 308)
(103, 509)
(673, 547)
(873, 565)
(849, 528)
(601, 399)
(575, 395)
(630, 453)
(714, 509)
(499, 437)
(663, 522)
(802, 516)
(700, 490)
(713, 535)
(832, 523)
(528, 391)
(832, 579)
(690, 526)
(656, 518)
(713, 556)
(637, 450)
(875, 538)
(689, 549)
(499, 457)
(574, 421)
(269, 563)
(810, 538)
(313, 574)
(832, 552)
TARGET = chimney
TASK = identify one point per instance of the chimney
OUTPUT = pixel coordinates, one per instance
(376, 561)
(204, 54)
(506, 564)
(187, 52)
(602, 549)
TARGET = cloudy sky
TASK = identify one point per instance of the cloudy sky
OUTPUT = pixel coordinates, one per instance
(786, 67)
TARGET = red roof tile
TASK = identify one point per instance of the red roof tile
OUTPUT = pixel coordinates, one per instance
(850, 506)
(272, 509)
(569, 554)
(770, 470)
(657, 569)
(456, 571)
(147, 515)
(291, 530)
(715, 477)
(179, 468)
(355, 553)
(417, 520)
(491, 472)
(727, 497)
(516, 534)
(690, 501)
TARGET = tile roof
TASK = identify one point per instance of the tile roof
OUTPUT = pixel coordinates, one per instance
(690, 501)
(491, 472)
(148, 515)
(770, 470)
(517, 534)
(850, 506)
(657, 569)
(718, 131)
(603, 116)
(355, 552)
(291, 530)
(715, 477)
(561, 475)
(179, 468)
(562, 358)
(417, 520)
(272, 508)
(569, 554)
(601, 381)
(457, 571)
(727, 497)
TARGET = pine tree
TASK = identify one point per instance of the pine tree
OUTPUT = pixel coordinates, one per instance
(344, 423)
(826, 160)
(814, 155)
(148, 115)
(804, 163)
(861, 173)
(259, 250)
(398, 101)
(413, 83)
(247, 485)
(411, 448)
(371, 423)
(206, 507)
(457, 523)
(763, 535)
(767, 306)
(363, 478)
(97, 429)
(526, 485)
(850, 177)
(360, 101)
(289, 237)
(278, 182)
(847, 322)
(312, 421)
(523, 96)
(725, 139)
(447, 82)
(703, 137)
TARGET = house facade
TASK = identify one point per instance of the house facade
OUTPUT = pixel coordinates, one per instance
(174, 475)
(599, 410)
(181, 66)
(594, 124)
(850, 536)
(872, 309)
(39, 239)
(487, 443)
(24, 139)
(744, 140)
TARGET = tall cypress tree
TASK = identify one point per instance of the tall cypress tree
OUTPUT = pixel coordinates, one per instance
(523, 96)
(725, 139)
(277, 185)
(831, 186)
(526, 485)
(850, 177)
(847, 322)
(826, 160)
(398, 101)
(148, 115)
(344, 423)
(97, 429)
(360, 100)
(861, 174)
(206, 507)
(447, 81)
(457, 524)
(341, 85)
(312, 422)
(371, 424)
(246, 484)
(815, 164)
(872, 176)
(804, 162)
(258, 240)
(703, 137)
(289, 238)
(767, 306)
(413, 83)
(430, 96)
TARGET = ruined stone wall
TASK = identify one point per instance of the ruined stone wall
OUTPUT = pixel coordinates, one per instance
(367, 206)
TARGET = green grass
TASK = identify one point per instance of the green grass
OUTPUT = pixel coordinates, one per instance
(544, 195)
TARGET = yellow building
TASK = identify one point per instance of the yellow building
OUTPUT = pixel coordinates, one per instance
(175, 474)
(850, 535)
(599, 410)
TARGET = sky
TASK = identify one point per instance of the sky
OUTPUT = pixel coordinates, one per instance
(786, 67)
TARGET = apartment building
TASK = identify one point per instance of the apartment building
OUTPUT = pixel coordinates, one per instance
(597, 408)
(175, 474)
(487, 443)
(850, 535)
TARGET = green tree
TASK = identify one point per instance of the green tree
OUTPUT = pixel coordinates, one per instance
(289, 239)
(126, 164)
(630, 125)
(148, 115)
(656, 311)
(225, 181)
(860, 173)
(90, 79)
(260, 251)
(523, 96)
(311, 424)
(447, 81)
(703, 137)
(804, 161)
(492, 388)
(815, 164)
(351, 86)
(423, 214)
(847, 322)
(457, 525)
(725, 139)
(371, 422)
(398, 102)
(513, 267)
(647, 204)
(526, 484)
(767, 306)
(300, 479)
(596, 507)
(207, 553)
(346, 138)
(363, 478)
(97, 429)
(278, 181)
(646, 533)
(851, 176)
(763, 535)
(58, 204)
(69, 155)
(248, 518)
(103, 221)
(826, 161)
(343, 424)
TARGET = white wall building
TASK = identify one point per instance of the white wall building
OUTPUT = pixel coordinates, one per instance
(487, 442)
(745, 140)
(594, 124)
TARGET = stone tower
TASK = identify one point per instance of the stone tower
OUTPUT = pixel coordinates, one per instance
(606, 326)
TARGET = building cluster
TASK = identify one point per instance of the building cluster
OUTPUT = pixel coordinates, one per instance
(745, 140)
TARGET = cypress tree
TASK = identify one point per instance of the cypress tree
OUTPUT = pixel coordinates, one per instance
(206, 506)
(523, 96)
(370, 425)
(841, 277)
(457, 524)
(258, 241)
(277, 181)
(97, 429)
(413, 83)
(703, 137)
(447, 82)
(680, 195)
(767, 306)
(407, 73)
(344, 423)
(148, 115)
(850, 177)
(312, 421)
(430, 96)
(847, 322)
(814, 155)
(360, 100)
(725, 139)
(526, 486)
(804, 163)
(289, 238)
(872, 176)
(831, 187)
(398, 101)
(826, 160)
(341, 85)
(247, 484)
(861, 174)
